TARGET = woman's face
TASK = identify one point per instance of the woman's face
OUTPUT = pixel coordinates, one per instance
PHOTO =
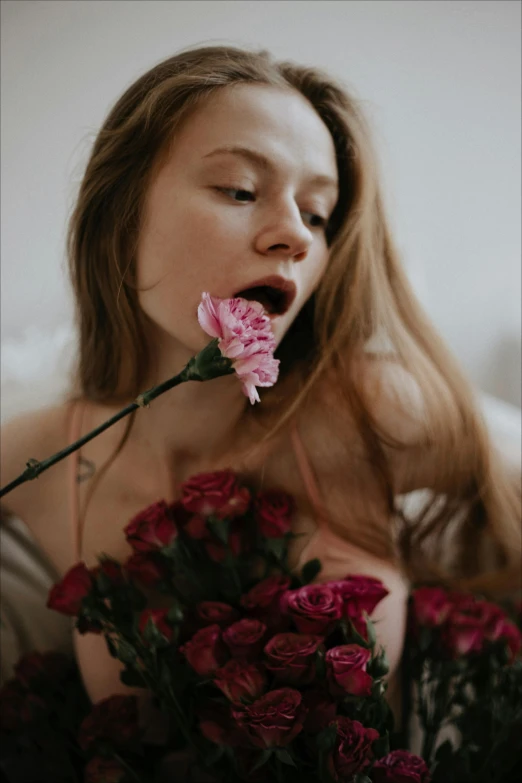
(242, 200)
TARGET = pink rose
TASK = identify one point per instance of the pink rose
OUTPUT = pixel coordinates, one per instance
(273, 512)
(159, 618)
(346, 669)
(152, 529)
(216, 494)
(211, 612)
(274, 719)
(245, 337)
(245, 638)
(291, 657)
(431, 606)
(114, 719)
(352, 752)
(147, 568)
(67, 595)
(400, 766)
(314, 608)
(471, 623)
(205, 651)
(240, 680)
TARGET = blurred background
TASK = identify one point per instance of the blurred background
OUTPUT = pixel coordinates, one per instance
(441, 85)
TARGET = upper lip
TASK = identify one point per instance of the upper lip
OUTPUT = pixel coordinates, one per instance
(287, 288)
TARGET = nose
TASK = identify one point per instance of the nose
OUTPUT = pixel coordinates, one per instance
(284, 234)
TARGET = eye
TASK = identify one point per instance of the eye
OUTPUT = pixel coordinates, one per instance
(238, 194)
(316, 221)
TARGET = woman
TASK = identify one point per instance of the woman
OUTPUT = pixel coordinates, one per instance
(221, 170)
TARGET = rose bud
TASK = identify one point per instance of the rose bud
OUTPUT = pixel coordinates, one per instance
(359, 594)
(346, 670)
(400, 766)
(216, 494)
(274, 719)
(314, 608)
(146, 568)
(114, 720)
(273, 512)
(245, 638)
(291, 657)
(352, 752)
(104, 770)
(152, 529)
(67, 595)
(159, 618)
(211, 612)
(50, 666)
(205, 651)
(240, 680)
(321, 711)
(431, 606)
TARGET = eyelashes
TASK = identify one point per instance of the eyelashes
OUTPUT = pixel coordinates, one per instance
(316, 221)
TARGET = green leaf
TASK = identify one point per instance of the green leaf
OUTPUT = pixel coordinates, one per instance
(113, 650)
(263, 758)
(310, 570)
(132, 678)
(126, 652)
(285, 757)
(220, 528)
(381, 747)
(276, 546)
(175, 615)
(370, 628)
(325, 740)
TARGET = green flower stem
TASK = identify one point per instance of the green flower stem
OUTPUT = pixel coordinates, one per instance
(207, 364)
(126, 767)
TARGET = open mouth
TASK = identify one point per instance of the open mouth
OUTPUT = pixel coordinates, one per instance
(275, 294)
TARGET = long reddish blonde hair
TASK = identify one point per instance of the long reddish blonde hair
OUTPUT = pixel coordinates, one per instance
(364, 293)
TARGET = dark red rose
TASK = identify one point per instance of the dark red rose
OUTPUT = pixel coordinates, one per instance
(265, 593)
(470, 624)
(400, 766)
(274, 719)
(359, 594)
(159, 618)
(273, 512)
(217, 551)
(51, 666)
(152, 529)
(346, 670)
(216, 494)
(211, 612)
(321, 711)
(431, 606)
(217, 725)
(291, 657)
(352, 752)
(19, 707)
(103, 770)
(245, 638)
(112, 570)
(146, 568)
(240, 680)
(114, 719)
(314, 608)
(205, 652)
(510, 634)
(67, 595)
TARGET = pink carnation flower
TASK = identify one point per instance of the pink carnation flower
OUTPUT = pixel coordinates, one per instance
(245, 337)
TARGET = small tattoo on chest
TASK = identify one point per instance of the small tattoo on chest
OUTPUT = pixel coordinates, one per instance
(86, 470)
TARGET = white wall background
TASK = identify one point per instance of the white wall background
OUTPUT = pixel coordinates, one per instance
(441, 82)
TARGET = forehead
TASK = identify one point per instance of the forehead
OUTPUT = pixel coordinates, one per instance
(278, 123)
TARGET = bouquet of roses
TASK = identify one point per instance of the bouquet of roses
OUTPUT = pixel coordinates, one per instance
(256, 673)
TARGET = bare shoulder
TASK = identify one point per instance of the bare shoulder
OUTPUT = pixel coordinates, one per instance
(34, 435)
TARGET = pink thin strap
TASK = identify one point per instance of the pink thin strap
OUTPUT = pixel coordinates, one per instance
(309, 479)
(74, 497)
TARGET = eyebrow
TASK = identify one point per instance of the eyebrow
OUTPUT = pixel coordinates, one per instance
(264, 163)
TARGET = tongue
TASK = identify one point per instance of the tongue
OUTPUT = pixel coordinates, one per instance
(258, 295)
